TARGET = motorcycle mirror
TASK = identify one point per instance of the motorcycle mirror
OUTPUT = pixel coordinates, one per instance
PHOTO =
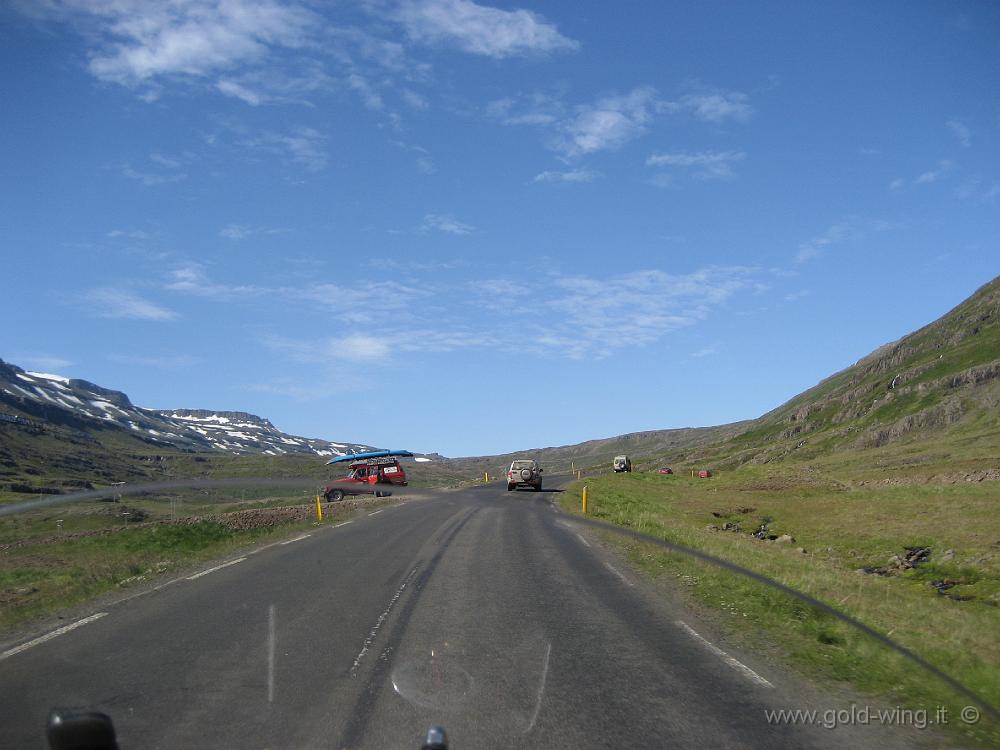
(73, 730)
(437, 739)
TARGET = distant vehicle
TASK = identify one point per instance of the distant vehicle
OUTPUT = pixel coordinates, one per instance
(364, 478)
(524, 472)
(704, 474)
(622, 463)
(665, 470)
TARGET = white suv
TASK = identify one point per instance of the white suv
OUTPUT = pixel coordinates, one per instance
(524, 472)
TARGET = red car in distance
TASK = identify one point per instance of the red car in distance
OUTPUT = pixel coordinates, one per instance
(365, 477)
(664, 471)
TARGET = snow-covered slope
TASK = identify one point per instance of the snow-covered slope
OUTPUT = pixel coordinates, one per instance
(40, 397)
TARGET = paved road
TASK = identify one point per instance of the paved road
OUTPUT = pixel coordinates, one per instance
(482, 610)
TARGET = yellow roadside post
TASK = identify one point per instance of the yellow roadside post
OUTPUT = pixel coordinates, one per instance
(486, 477)
(319, 510)
(584, 500)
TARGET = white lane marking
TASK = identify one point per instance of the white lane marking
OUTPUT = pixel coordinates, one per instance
(270, 653)
(731, 661)
(217, 567)
(49, 636)
(378, 624)
(618, 573)
(342, 523)
(583, 540)
(375, 512)
(296, 539)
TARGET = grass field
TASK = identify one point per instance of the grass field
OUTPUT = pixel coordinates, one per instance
(838, 529)
(55, 558)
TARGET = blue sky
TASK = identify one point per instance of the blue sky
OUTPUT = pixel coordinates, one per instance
(472, 228)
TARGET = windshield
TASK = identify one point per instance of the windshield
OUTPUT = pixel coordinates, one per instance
(345, 347)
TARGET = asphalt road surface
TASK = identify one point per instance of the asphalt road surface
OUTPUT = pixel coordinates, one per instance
(482, 610)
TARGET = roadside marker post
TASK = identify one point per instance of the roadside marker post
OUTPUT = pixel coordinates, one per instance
(319, 510)
(486, 477)
(584, 501)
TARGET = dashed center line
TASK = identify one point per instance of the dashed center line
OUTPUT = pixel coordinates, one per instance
(375, 512)
(731, 661)
(49, 636)
(618, 573)
(217, 567)
(586, 543)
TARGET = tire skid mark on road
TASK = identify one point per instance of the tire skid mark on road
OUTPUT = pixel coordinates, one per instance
(730, 660)
(49, 636)
(360, 716)
(381, 619)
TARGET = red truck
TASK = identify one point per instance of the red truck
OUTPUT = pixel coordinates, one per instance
(365, 477)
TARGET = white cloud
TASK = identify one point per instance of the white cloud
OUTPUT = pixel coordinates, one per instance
(961, 131)
(708, 164)
(609, 123)
(572, 175)
(151, 179)
(44, 362)
(933, 175)
(136, 42)
(242, 231)
(718, 107)
(370, 97)
(635, 309)
(303, 146)
(612, 121)
(817, 246)
(239, 91)
(480, 29)
(446, 224)
(129, 234)
(192, 279)
(107, 302)
(160, 362)
(897, 183)
(705, 352)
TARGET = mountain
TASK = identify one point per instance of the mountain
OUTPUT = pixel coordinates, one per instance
(51, 402)
(933, 394)
(941, 382)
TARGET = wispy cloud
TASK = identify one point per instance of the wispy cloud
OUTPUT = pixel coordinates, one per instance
(817, 246)
(302, 145)
(707, 165)
(128, 234)
(608, 123)
(705, 352)
(38, 361)
(108, 302)
(244, 231)
(961, 131)
(158, 362)
(933, 175)
(192, 279)
(134, 42)
(572, 175)
(613, 120)
(446, 224)
(151, 179)
(480, 29)
(718, 107)
(646, 305)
